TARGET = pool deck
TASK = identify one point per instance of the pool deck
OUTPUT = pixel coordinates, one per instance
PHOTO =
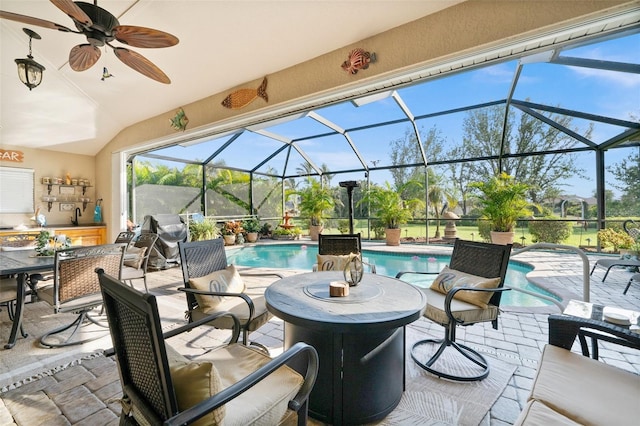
(521, 335)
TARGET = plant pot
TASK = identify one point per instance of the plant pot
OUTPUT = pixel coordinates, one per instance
(393, 236)
(314, 231)
(252, 237)
(229, 240)
(503, 238)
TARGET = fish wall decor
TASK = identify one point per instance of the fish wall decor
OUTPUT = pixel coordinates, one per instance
(358, 59)
(243, 97)
(180, 120)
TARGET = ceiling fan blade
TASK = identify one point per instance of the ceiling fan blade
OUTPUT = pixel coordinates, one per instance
(33, 21)
(83, 56)
(141, 64)
(143, 37)
(73, 11)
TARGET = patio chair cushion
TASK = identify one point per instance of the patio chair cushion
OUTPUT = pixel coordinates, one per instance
(194, 382)
(225, 366)
(536, 413)
(226, 280)
(466, 312)
(330, 262)
(240, 309)
(269, 398)
(136, 261)
(579, 387)
(449, 278)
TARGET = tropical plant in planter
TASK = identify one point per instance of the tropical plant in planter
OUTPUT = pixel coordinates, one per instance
(252, 227)
(387, 205)
(205, 229)
(315, 202)
(503, 202)
(230, 231)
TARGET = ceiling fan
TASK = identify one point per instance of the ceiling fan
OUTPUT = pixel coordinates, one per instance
(101, 28)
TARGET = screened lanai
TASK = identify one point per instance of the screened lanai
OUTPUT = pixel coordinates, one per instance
(565, 119)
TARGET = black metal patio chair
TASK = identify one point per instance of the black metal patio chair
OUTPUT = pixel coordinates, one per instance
(211, 285)
(234, 384)
(466, 292)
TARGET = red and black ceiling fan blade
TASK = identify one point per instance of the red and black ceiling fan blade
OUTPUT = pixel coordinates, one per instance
(143, 37)
(73, 11)
(141, 64)
(34, 21)
(83, 56)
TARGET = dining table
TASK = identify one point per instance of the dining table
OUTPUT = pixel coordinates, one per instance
(21, 263)
(360, 340)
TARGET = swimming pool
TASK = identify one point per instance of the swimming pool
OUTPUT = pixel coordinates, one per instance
(300, 256)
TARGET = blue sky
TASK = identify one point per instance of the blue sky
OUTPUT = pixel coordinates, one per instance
(606, 93)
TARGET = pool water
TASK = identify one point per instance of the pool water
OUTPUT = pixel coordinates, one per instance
(299, 256)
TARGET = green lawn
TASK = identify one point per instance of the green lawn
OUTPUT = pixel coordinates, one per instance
(578, 238)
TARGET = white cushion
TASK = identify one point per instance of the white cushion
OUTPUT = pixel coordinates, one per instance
(585, 390)
(266, 402)
(135, 256)
(226, 280)
(535, 413)
(466, 312)
(449, 278)
(331, 262)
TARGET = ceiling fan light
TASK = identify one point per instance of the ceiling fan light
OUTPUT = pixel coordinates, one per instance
(30, 72)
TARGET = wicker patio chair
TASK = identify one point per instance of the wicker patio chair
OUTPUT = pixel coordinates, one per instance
(76, 288)
(467, 292)
(212, 285)
(136, 268)
(8, 297)
(234, 384)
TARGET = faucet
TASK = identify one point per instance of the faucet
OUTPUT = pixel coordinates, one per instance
(78, 213)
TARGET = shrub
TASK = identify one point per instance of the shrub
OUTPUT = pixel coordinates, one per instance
(549, 231)
(378, 230)
(484, 229)
(205, 229)
(251, 225)
(343, 226)
(616, 239)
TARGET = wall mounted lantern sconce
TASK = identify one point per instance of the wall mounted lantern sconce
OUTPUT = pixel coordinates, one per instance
(29, 71)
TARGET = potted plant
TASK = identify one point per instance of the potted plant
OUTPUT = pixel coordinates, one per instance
(204, 229)
(502, 203)
(315, 201)
(47, 243)
(387, 205)
(230, 231)
(252, 227)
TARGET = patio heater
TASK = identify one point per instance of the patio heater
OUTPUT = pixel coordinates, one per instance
(350, 184)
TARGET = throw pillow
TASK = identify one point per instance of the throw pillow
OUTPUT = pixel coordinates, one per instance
(225, 280)
(330, 262)
(135, 262)
(194, 382)
(449, 278)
